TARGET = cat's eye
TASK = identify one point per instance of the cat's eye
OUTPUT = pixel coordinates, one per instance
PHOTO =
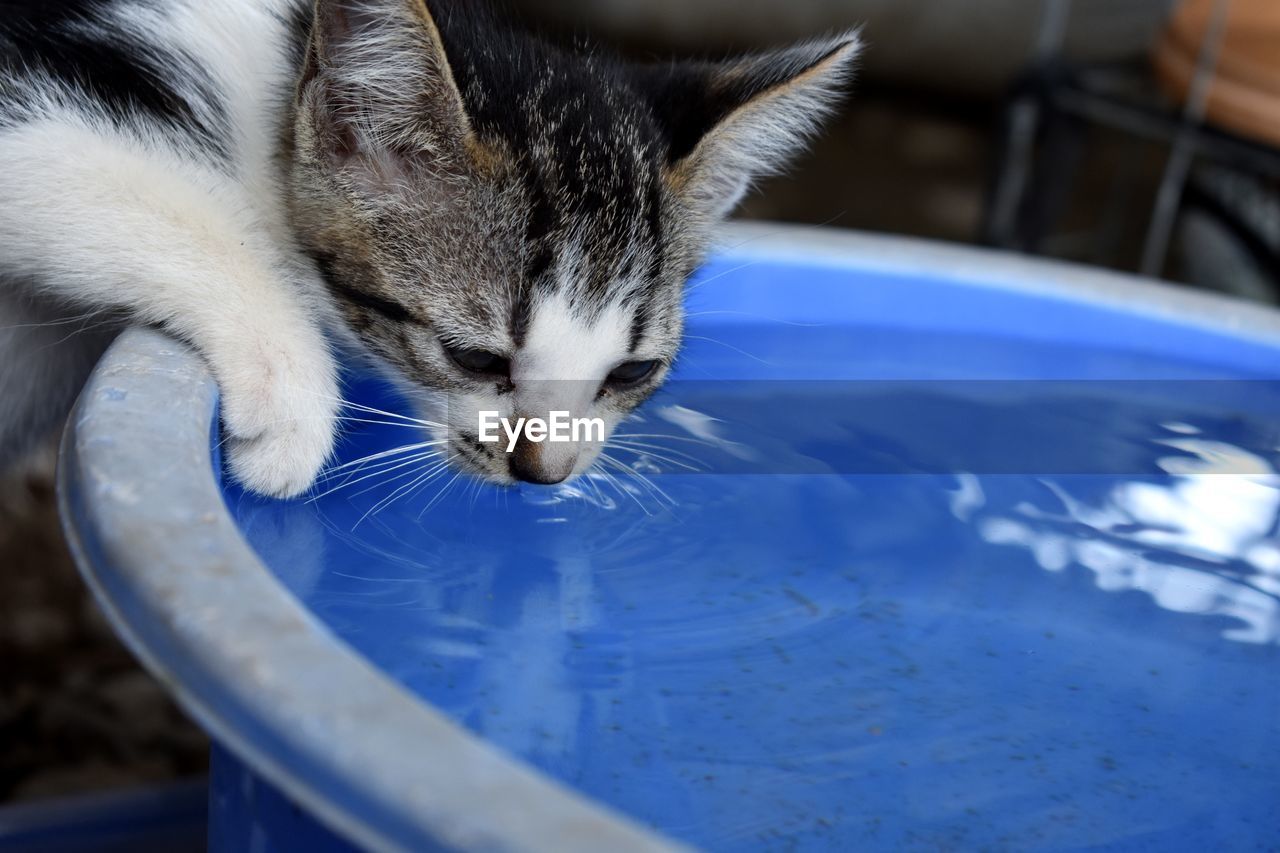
(631, 373)
(479, 361)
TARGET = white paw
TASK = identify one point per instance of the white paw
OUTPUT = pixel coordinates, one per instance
(279, 410)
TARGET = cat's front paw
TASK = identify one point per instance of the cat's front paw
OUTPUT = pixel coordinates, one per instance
(280, 418)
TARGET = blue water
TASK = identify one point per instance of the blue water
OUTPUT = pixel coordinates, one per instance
(923, 603)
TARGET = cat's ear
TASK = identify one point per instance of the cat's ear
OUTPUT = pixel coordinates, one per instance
(732, 122)
(379, 91)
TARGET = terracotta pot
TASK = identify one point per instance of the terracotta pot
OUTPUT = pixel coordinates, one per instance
(1245, 95)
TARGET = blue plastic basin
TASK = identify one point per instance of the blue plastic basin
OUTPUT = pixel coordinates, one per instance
(921, 548)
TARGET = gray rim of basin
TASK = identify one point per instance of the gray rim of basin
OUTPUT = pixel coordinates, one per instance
(147, 524)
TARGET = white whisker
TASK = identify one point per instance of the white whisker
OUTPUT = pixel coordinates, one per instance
(748, 314)
(371, 410)
(385, 468)
(641, 478)
(729, 346)
(404, 448)
(690, 439)
(387, 501)
(660, 453)
(348, 419)
(439, 495)
(411, 473)
(621, 488)
(722, 274)
(66, 321)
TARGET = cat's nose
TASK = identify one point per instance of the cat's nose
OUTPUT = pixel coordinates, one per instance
(531, 462)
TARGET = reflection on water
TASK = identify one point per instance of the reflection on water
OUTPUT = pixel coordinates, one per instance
(851, 648)
(1202, 540)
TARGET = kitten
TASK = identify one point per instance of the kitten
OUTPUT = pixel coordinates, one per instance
(497, 221)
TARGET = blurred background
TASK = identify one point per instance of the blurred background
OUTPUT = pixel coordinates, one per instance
(1138, 135)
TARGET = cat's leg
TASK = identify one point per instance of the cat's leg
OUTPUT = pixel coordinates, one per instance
(99, 220)
(46, 353)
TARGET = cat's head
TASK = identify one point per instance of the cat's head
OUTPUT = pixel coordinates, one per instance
(510, 226)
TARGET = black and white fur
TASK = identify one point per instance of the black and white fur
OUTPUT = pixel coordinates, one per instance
(500, 223)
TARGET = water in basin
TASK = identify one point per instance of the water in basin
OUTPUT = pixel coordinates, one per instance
(879, 578)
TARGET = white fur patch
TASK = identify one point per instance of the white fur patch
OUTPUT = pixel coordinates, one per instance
(561, 344)
(126, 219)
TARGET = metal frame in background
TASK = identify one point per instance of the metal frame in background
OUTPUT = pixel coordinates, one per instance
(1056, 101)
